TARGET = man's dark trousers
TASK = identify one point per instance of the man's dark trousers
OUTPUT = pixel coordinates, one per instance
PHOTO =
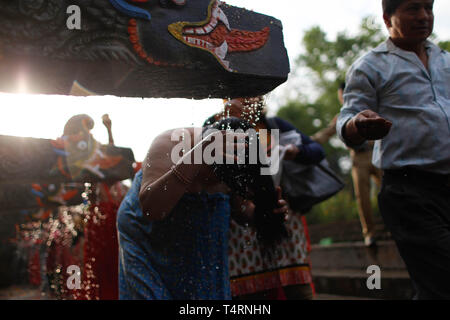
(415, 206)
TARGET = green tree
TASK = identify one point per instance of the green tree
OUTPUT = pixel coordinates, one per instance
(445, 45)
(326, 63)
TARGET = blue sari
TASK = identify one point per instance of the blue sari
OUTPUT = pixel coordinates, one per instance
(183, 257)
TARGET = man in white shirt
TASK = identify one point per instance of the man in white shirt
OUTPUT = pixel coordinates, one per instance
(399, 94)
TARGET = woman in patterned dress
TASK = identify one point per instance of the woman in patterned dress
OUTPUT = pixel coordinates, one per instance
(286, 274)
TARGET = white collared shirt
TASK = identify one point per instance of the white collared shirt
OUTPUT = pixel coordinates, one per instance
(395, 84)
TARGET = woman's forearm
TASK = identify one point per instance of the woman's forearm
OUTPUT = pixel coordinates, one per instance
(160, 197)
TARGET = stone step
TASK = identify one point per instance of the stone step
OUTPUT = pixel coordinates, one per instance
(355, 255)
(340, 269)
(22, 293)
(395, 285)
(345, 231)
(324, 296)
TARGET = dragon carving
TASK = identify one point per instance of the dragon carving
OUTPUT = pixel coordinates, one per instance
(146, 48)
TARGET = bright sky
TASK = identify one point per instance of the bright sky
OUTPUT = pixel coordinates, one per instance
(136, 122)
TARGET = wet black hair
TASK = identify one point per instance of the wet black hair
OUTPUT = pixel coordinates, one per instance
(247, 181)
(390, 6)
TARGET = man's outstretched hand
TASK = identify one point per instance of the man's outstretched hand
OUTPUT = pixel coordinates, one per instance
(366, 125)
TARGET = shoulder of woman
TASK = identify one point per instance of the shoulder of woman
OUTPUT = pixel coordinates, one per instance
(173, 136)
(163, 144)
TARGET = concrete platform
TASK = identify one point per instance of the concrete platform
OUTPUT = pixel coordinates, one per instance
(330, 297)
(355, 255)
(345, 231)
(395, 285)
(341, 270)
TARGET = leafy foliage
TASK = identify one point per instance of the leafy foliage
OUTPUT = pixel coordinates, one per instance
(445, 45)
(341, 207)
(327, 62)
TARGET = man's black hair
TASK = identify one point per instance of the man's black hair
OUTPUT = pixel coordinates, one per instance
(390, 6)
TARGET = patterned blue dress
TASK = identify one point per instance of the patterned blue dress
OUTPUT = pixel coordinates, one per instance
(183, 257)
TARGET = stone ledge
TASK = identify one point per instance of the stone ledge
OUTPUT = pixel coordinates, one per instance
(355, 255)
(395, 285)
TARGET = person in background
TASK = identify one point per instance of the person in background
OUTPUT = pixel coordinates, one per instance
(399, 95)
(362, 172)
(287, 273)
(100, 251)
